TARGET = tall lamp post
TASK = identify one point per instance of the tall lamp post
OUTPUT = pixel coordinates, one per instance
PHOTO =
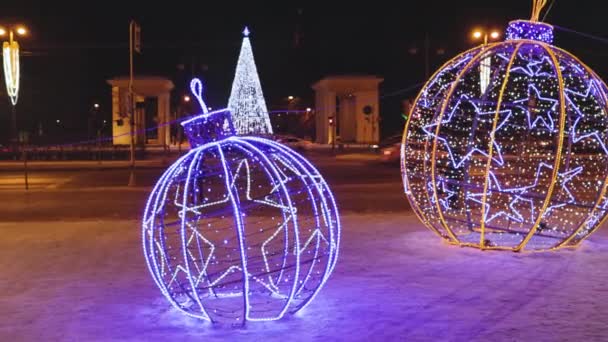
(134, 46)
(427, 53)
(484, 66)
(10, 54)
(180, 111)
(484, 82)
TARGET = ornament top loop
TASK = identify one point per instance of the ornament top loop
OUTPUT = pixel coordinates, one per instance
(207, 127)
(196, 86)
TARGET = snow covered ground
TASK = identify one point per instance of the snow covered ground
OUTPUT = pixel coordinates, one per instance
(87, 281)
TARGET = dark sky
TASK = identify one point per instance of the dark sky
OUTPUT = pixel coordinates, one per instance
(74, 47)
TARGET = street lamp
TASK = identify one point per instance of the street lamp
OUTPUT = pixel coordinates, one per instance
(178, 114)
(290, 97)
(10, 53)
(425, 50)
(484, 66)
(96, 105)
(480, 33)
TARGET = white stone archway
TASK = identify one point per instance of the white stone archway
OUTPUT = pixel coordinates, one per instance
(352, 102)
(144, 87)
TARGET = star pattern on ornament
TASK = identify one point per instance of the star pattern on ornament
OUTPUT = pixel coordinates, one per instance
(444, 201)
(534, 66)
(538, 114)
(528, 192)
(592, 86)
(563, 178)
(458, 162)
(574, 130)
(316, 237)
(594, 218)
(495, 189)
(242, 171)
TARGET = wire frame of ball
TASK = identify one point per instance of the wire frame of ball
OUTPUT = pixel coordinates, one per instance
(505, 148)
(243, 229)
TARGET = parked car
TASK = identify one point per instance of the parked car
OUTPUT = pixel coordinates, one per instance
(389, 149)
(294, 142)
(391, 153)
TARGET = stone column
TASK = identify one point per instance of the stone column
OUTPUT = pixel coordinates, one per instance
(164, 130)
(325, 103)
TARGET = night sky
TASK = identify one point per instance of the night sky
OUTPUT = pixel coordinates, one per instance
(74, 47)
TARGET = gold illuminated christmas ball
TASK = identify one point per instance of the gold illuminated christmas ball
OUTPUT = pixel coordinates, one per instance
(505, 146)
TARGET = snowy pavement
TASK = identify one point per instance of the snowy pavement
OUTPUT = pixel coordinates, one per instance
(395, 281)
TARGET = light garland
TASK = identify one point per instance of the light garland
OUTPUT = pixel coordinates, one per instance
(517, 161)
(10, 52)
(524, 29)
(246, 103)
(240, 228)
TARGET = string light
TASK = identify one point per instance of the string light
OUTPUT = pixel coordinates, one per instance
(240, 228)
(515, 157)
(246, 102)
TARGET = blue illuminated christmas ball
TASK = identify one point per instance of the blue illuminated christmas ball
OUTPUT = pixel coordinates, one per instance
(240, 228)
(505, 146)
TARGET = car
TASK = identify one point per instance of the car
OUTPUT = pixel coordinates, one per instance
(294, 142)
(388, 142)
(391, 153)
(389, 149)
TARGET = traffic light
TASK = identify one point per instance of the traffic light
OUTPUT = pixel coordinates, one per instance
(406, 106)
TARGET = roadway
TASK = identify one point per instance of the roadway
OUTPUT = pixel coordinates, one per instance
(101, 193)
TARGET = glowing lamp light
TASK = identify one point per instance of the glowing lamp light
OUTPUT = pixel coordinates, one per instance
(10, 53)
(477, 34)
(494, 34)
(520, 165)
(22, 31)
(240, 228)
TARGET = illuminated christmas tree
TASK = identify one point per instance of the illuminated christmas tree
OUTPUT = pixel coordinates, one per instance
(249, 112)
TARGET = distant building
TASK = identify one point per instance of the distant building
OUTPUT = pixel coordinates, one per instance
(152, 96)
(347, 109)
